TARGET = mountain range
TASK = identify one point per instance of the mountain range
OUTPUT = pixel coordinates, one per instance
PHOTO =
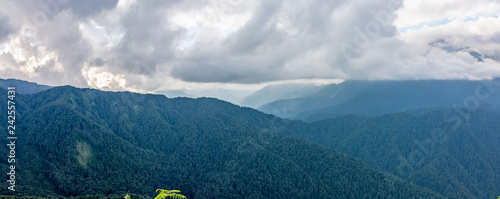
(78, 142)
(91, 143)
(273, 93)
(233, 96)
(381, 97)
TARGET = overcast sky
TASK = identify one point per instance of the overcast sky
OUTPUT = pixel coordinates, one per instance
(182, 44)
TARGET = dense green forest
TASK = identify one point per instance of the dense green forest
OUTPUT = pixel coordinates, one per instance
(455, 152)
(84, 142)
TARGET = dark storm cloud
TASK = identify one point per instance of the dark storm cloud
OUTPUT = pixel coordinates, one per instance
(82, 9)
(235, 41)
(5, 28)
(90, 7)
(148, 38)
(63, 36)
(97, 62)
(238, 58)
(258, 31)
(261, 51)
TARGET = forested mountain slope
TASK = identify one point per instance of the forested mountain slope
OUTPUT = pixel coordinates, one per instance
(75, 142)
(455, 152)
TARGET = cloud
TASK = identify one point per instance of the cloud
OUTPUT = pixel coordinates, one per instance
(282, 40)
(47, 44)
(89, 8)
(151, 45)
(148, 38)
(5, 27)
(418, 13)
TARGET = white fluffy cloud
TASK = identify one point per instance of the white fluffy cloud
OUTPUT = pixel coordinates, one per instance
(157, 45)
(417, 13)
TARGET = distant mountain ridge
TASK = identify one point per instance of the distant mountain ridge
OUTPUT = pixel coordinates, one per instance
(22, 86)
(272, 93)
(233, 96)
(382, 97)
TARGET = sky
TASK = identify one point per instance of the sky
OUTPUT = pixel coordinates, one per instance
(154, 45)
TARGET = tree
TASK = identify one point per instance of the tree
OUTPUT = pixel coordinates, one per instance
(169, 193)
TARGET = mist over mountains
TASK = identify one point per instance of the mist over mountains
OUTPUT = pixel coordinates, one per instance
(311, 102)
(273, 93)
(382, 97)
(233, 96)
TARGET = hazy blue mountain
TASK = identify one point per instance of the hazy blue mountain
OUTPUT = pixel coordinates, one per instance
(23, 86)
(272, 93)
(77, 142)
(233, 96)
(381, 97)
